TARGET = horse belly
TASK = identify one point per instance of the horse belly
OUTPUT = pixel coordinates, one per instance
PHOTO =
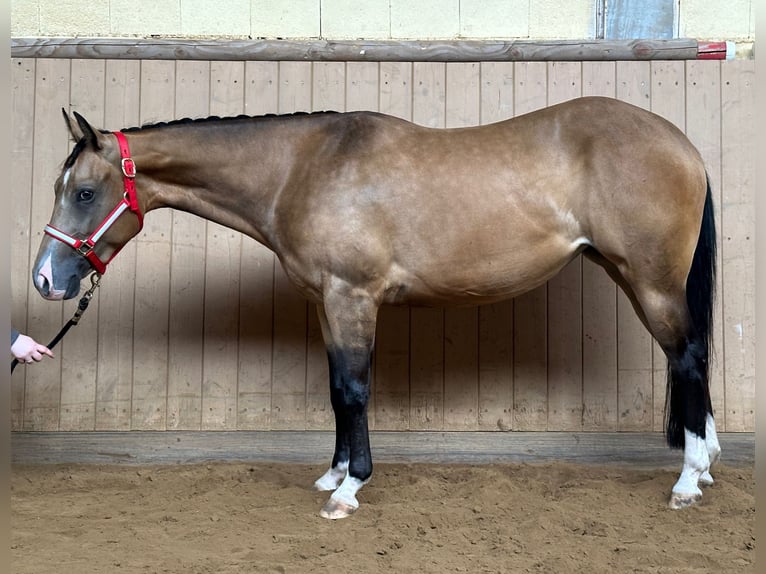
(480, 276)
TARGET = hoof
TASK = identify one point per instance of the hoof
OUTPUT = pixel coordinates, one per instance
(335, 509)
(706, 479)
(680, 500)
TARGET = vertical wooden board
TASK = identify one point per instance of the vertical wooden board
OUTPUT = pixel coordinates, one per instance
(429, 95)
(463, 94)
(599, 304)
(634, 342)
(565, 378)
(187, 272)
(391, 385)
(328, 86)
(497, 91)
(79, 350)
(319, 413)
(668, 101)
(257, 280)
(222, 277)
(362, 86)
(295, 87)
(392, 370)
(427, 325)
(738, 229)
(45, 318)
(328, 93)
(703, 126)
(495, 400)
(668, 91)
(461, 369)
(117, 292)
(564, 81)
(495, 388)
(152, 296)
(461, 326)
(290, 309)
(22, 151)
(396, 85)
(530, 385)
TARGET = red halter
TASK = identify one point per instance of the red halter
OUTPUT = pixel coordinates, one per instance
(129, 201)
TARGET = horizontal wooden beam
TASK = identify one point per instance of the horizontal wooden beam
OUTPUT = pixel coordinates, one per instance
(635, 449)
(360, 50)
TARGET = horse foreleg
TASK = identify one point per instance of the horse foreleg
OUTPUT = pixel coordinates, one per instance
(348, 326)
(331, 479)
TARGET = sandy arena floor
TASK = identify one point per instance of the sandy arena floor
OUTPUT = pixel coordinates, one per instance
(263, 518)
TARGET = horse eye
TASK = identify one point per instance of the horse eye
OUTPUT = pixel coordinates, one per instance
(85, 195)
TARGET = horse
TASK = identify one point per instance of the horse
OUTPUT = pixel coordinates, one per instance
(365, 209)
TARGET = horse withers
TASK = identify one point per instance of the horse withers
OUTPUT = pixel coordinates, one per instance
(364, 209)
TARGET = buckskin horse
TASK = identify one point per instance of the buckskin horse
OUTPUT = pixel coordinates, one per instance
(363, 209)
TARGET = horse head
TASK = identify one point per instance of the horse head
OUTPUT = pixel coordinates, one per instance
(95, 187)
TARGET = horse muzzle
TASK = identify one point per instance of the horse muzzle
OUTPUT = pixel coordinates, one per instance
(43, 280)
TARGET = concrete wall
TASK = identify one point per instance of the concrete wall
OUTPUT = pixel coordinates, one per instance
(350, 19)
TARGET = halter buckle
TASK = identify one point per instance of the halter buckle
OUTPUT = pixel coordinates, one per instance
(84, 249)
(128, 167)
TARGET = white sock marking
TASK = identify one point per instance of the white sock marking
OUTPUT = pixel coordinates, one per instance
(346, 492)
(713, 449)
(332, 478)
(696, 462)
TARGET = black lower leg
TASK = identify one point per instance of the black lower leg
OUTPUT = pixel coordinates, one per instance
(688, 400)
(351, 393)
(341, 453)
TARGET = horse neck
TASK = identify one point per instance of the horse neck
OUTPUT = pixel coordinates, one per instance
(231, 175)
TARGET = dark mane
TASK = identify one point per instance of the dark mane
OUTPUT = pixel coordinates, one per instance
(80, 145)
(211, 119)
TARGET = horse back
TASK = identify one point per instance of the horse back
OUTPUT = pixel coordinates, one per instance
(487, 212)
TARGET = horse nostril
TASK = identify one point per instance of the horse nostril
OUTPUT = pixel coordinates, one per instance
(43, 285)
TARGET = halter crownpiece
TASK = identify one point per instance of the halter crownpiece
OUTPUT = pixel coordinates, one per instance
(85, 247)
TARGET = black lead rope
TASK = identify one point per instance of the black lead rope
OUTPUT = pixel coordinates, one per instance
(81, 307)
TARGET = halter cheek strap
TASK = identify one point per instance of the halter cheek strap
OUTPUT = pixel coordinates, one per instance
(85, 247)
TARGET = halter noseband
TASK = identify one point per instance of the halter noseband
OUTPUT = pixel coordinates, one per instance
(129, 201)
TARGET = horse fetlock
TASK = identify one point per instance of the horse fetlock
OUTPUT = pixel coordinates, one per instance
(331, 479)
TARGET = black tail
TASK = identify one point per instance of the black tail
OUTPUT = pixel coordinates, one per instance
(700, 295)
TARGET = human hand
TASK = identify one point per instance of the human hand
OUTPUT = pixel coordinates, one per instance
(26, 349)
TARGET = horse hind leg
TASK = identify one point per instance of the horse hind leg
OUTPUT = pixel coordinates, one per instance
(689, 415)
(676, 306)
(713, 449)
(687, 412)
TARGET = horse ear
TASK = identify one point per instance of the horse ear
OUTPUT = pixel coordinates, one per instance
(73, 128)
(92, 137)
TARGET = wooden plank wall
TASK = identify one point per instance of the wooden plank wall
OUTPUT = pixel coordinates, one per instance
(197, 327)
